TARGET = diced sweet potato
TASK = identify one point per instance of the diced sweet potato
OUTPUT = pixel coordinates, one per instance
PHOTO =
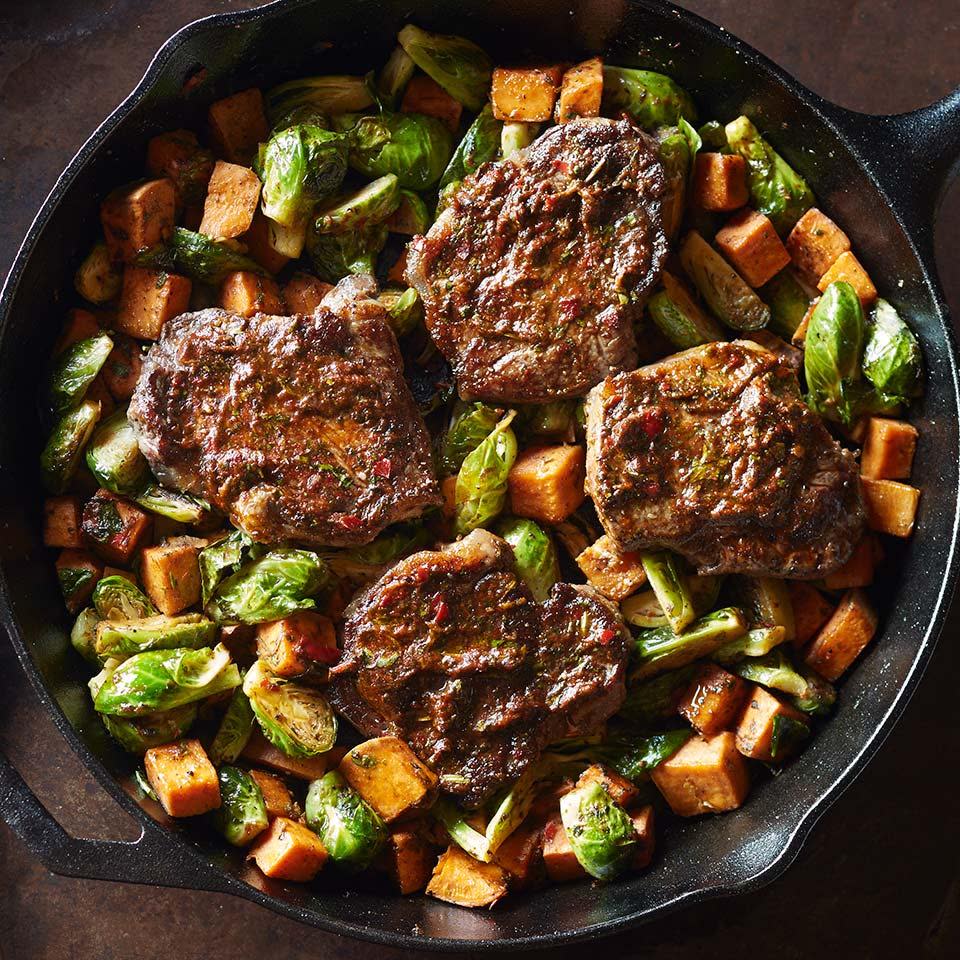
(546, 483)
(114, 527)
(149, 299)
(767, 727)
(847, 267)
(713, 700)
(527, 95)
(260, 750)
(425, 95)
(61, 522)
(859, 569)
(77, 573)
(138, 216)
(719, 182)
(288, 850)
(276, 795)
(458, 878)
(815, 243)
(295, 644)
(122, 369)
(891, 506)
(620, 789)
(409, 859)
(643, 825)
(560, 861)
(616, 575)
(706, 775)
(521, 854)
(303, 293)
(170, 573)
(581, 91)
(389, 776)
(80, 325)
(257, 239)
(247, 293)
(178, 156)
(843, 636)
(183, 778)
(232, 198)
(811, 610)
(238, 124)
(750, 242)
(888, 449)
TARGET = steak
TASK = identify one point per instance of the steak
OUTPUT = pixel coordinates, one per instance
(299, 428)
(531, 278)
(450, 652)
(713, 453)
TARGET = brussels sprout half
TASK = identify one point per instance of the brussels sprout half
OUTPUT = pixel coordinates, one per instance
(370, 204)
(64, 448)
(242, 814)
(121, 637)
(600, 831)
(137, 735)
(481, 490)
(234, 731)
(75, 369)
(350, 829)
(116, 598)
(114, 457)
(534, 553)
(662, 649)
(458, 65)
(652, 99)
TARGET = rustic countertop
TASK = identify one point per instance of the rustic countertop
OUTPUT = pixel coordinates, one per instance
(879, 876)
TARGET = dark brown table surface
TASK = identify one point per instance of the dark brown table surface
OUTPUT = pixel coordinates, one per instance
(879, 876)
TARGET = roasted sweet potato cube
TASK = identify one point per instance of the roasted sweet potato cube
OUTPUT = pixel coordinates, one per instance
(114, 527)
(458, 878)
(581, 91)
(303, 293)
(891, 506)
(815, 243)
(257, 239)
(719, 182)
(295, 644)
(706, 775)
(713, 700)
(389, 776)
(425, 95)
(843, 637)
(858, 571)
(183, 778)
(521, 855)
(769, 729)
(170, 573)
(616, 575)
(546, 483)
(750, 242)
(559, 860)
(288, 850)
(149, 299)
(525, 94)
(80, 325)
(61, 522)
(260, 750)
(138, 216)
(78, 573)
(409, 859)
(620, 789)
(811, 610)
(643, 825)
(238, 124)
(888, 449)
(122, 369)
(276, 794)
(247, 293)
(178, 156)
(847, 267)
(232, 198)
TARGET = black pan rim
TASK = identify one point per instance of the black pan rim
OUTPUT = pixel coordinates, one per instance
(208, 877)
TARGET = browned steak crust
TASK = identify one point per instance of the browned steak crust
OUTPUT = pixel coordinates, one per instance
(299, 427)
(450, 652)
(530, 278)
(714, 454)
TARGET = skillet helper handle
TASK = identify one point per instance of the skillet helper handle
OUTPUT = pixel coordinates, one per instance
(152, 858)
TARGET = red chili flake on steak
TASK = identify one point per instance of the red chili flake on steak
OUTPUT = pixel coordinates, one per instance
(606, 636)
(569, 309)
(439, 609)
(350, 521)
(651, 422)
(383, 468)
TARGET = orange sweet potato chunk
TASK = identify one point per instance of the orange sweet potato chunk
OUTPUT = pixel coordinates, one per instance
(183, 778)
(232, 198)
(750, 242)
(888, 449)
(719, 182)
(247, 293)
(713, 700)
(848, 268)
(581, 91)
(891, 506)
(615, 574)
(238, 124)
(304, 292)
(288, 850)
(546, 483)
(757, 733)
(149, 299)
(527, 95)
(844, 636)
(138, 216)
(815, 243)
(425, 95)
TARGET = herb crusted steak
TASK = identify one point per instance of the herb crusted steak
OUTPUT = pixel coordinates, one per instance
(714, 454)
(529, 278)
(299, 427)
(450, 652)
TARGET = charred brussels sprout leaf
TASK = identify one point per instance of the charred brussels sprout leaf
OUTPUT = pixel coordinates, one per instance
(163, 679)
(471, 425)
(242, 814)
(64, 448)
(480, 144)
(787, 734)
(654, 700)
(117, 637)
(114, 457)
(350, 829)
(83, 634)
(713, 137)
(680, 319)
(482, 481)
(662, 649)
(652, 99)
(773, 670)
(234, 730)
(534, 553)
(754, 643)
(116, 598)
(139, 734)
(172, 504)
(269, 588)
(75, 369)
(319, 95)
(371, 204)
(223, 558)
(891, 356)
(404, 309)
(461, 67)
(818, 698)
(599, 830)
(632, 757)
(558, 418)
(202, 259)
(296, 719)
(300, 166)
(337, 255)
(669, 583)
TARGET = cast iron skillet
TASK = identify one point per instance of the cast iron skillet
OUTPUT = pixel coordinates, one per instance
(880, 176)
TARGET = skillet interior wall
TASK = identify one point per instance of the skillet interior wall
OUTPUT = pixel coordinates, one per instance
(723, 86)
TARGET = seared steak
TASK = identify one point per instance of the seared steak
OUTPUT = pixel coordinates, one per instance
(299, 427)
(450, 651)
(714, 454)
(530, 278)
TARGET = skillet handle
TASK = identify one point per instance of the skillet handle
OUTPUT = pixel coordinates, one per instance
(914, 156)
(153, 858)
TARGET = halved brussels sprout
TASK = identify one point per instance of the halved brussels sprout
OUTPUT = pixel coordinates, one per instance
(172, 504)
(480, 144)
(652, 99)
(481, 490)
(75, 369)
(337, 255)
(367, 562)
(349, 827)
(114, 457)
(403, 308)
(600, 831)
(200, 258)
(534, 553)
(411, 217)
(892, 361)
(788, 302)
(323, 95)
(122, 637)
(83, 634)
(234, 731)
(223, 558)
(394, 77)
(137, 735)
(64, 448)
(753, 643)
(471, 424)
(461, 67)
(116, 598)
(372, 203)
(98, 279)
(242, 814)
(516, 135)
(669, 583)
(662, 649)
(680, 319)
(644, 610)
